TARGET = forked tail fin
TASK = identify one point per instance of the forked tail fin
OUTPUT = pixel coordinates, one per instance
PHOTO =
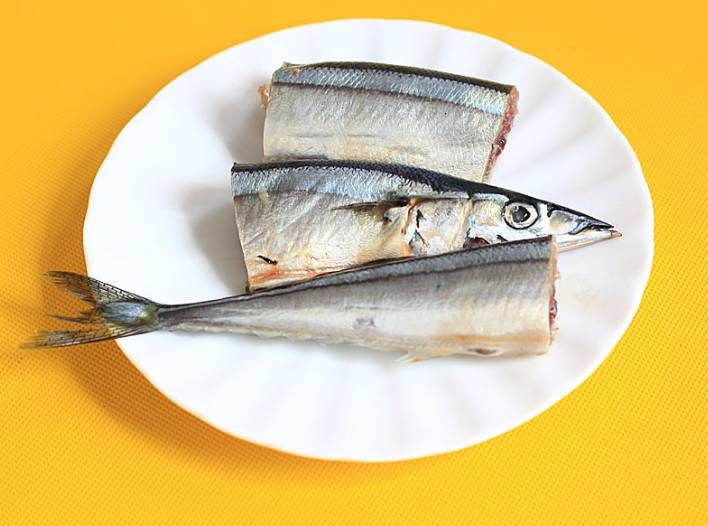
(114, 313)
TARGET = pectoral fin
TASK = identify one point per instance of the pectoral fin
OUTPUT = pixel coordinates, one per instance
(374, 206)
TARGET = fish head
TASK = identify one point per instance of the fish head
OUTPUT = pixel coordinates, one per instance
(508, 216)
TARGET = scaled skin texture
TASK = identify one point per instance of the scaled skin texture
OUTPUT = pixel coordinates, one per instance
(298, 219)
(497, 299)
(492, 300)
(390, 114)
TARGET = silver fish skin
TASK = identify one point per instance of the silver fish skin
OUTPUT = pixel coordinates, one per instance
(384, 113)
(487, 301)
(298, 219)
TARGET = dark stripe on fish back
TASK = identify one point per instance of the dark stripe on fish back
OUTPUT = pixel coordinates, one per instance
(436, 181)
(484, 95)
(247, 179)
(539, 249)
(422, 72)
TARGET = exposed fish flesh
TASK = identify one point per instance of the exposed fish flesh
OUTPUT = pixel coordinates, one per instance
(384, 113)
(487, 301)
(298, 219)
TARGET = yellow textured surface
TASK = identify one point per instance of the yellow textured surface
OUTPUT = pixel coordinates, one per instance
(84, 438)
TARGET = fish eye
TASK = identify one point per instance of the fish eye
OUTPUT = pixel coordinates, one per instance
(520, 215)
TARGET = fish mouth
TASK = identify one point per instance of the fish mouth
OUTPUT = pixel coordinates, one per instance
(592, 233)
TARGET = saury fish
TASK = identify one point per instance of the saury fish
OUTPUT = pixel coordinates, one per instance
(384, 113)
(485, 301)
(298, 219)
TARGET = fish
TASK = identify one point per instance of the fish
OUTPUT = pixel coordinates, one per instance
(385, 113)
(487, 301)
(299, 219)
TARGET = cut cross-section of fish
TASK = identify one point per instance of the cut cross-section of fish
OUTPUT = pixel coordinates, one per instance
(384, 113)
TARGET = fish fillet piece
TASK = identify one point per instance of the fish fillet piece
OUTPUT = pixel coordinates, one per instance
(492, 300)
(298, 219)
(385, 113)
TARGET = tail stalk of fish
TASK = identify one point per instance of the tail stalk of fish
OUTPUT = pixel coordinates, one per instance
(485, 301)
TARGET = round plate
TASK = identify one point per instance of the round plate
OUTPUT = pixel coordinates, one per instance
(160, 223)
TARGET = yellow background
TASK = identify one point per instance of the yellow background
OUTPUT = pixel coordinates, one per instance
(84, 438)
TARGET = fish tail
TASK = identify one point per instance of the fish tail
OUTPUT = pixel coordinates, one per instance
(113, 313)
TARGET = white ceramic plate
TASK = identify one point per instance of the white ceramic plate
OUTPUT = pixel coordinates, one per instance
(160, 223)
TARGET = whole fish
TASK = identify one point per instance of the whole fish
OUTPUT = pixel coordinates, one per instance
(486, 301)
(384, 113)
(298, 219)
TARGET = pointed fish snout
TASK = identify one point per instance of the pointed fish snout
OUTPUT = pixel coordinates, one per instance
(587, 236)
